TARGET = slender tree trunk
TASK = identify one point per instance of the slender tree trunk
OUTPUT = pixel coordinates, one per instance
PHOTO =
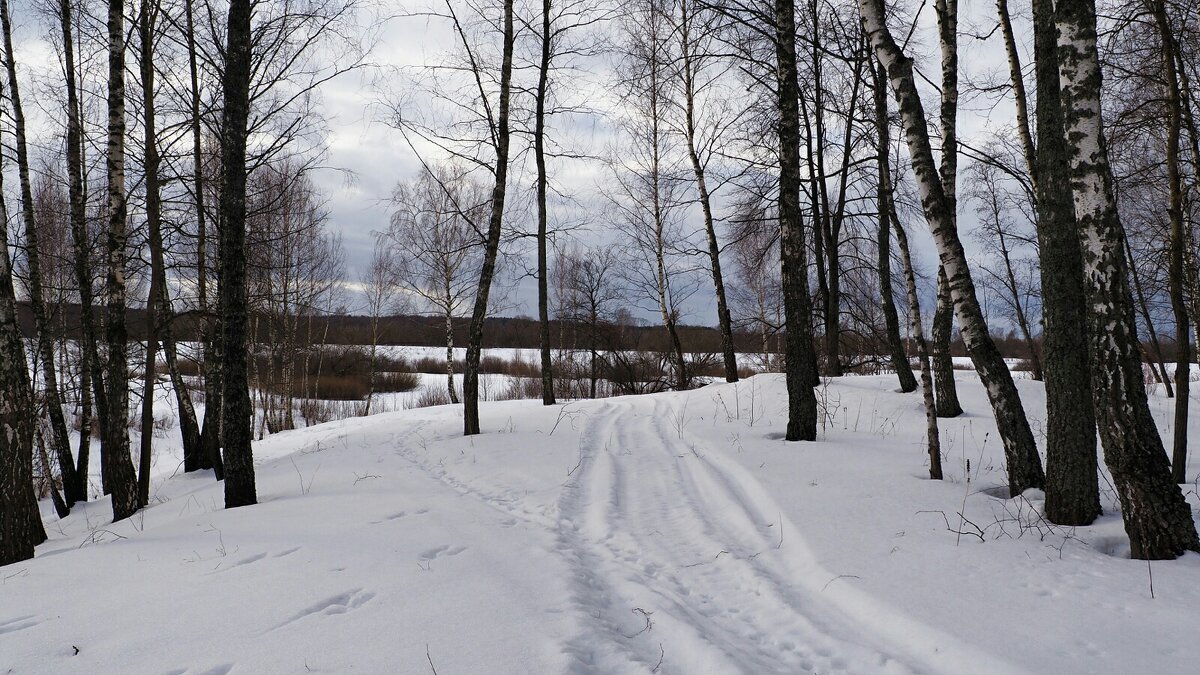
(1024, 465)
(932, 434)
(207, 454)
(1175, 275)
(151, 163)
(947, 13)
(1017, 78)
(33, 255)
(943, 361)
(450, 357)
(1157, 517)
(1010, 282)
(539, 151)
(122, 480)
(1072, 490)
(1158, 364)
(900, 364)
(235, 399)
(475, 335)
(688, 74)
(802, 400)
(89, 358)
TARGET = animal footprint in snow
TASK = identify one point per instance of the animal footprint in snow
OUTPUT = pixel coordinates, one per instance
(337, 604)
(441, 551)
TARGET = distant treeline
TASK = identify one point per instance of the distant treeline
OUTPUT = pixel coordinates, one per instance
(501, 332)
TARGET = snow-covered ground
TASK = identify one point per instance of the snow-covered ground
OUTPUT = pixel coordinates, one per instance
(670, 533)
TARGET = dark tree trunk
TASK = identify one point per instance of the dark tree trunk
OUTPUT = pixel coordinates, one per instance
(91, 378)
(237, 411)
(20, 522)
(1157, 517)
(122, 481)
(1175, 274)
(943, 360)
(1072, 490)
(900, 363)
(1024, 465)
(33, 255)
(492, 246)
(688, 75)
(801, 361)
(539, 150)
(158, 280)
(206, 452)
(1156, 361)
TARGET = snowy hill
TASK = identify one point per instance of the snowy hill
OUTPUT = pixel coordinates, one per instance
(672, 533)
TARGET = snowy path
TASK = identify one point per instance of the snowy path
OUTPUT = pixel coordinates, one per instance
(677, 564)
(672, 533)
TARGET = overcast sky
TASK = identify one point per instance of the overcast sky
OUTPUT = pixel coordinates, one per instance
(366, 157)
(376, 155)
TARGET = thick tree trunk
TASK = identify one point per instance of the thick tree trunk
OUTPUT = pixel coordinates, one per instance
(1024, 465)
(237, 411)
(539, 151)
(943, 361)
(883, 198)
(1157, 517)
(20, 522)
(1072, 490)
(799, 353)
(121, 478)
(33, 256)
(492, 246)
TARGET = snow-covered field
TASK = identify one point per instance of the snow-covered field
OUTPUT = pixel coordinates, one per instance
(673, 533)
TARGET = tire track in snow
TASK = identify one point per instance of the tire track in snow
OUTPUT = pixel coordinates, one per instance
(654, 548)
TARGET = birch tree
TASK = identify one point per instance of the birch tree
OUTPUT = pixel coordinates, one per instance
(122, 481)
(1023, 464)
(1157, 518)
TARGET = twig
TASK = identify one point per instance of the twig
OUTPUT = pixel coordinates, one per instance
(430, 659)
(646, 616)
(840, 576)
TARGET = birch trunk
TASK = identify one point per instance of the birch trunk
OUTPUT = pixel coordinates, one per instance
(121, 478)
(1024, 465)
(943, 361)
(1157, 518)
(688, 68)
(20, 521)
(492, 246)
(1072, 490)
(33, 255)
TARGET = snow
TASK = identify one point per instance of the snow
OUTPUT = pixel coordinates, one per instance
(668, 533)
